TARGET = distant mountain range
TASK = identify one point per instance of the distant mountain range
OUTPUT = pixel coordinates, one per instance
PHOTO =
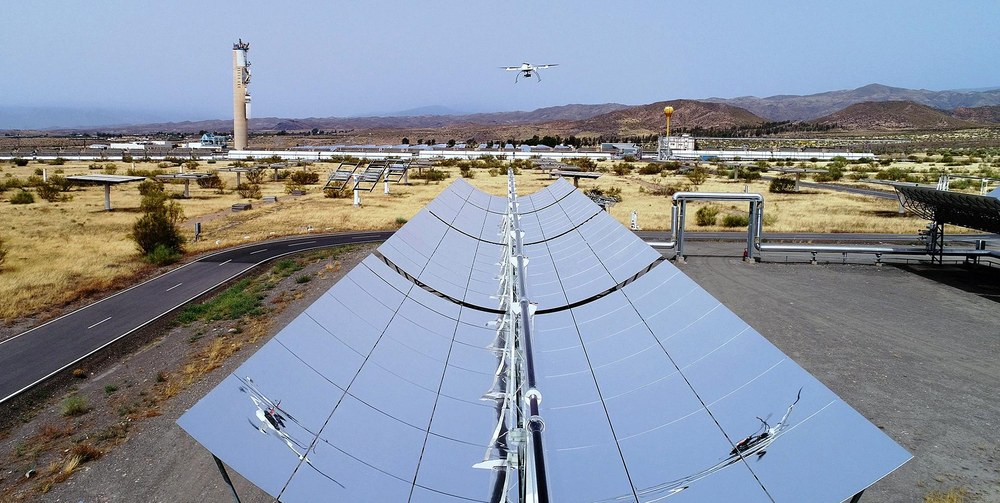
(813, 106)
(872, 107)
(894, 115)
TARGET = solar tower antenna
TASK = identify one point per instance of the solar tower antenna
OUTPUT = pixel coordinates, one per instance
(241, 96)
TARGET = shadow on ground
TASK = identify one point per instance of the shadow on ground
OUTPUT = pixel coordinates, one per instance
(977, 279)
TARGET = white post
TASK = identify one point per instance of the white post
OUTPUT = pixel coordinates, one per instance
(635, 220)
(357, 192)
(386, 184)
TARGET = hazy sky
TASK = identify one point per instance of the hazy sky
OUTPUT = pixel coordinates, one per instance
(338, 58)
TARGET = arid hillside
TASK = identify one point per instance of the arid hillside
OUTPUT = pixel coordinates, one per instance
(893, 115)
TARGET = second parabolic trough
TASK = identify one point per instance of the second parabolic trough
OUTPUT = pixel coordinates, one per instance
(407, 378)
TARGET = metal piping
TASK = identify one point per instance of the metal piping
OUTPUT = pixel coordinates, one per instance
(679, 210)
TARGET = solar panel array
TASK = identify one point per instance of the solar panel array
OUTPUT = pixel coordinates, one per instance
(966, 210)
(385, 388)
(341, 176)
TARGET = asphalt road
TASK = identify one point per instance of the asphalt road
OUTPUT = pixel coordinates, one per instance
(33, 356)
(881, 194)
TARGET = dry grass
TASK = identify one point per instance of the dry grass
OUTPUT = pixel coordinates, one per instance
(953, 495)
(65, 251)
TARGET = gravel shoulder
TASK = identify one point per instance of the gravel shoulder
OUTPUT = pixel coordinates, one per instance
(912, 348)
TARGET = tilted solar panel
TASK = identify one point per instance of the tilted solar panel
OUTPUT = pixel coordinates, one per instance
(396, 382)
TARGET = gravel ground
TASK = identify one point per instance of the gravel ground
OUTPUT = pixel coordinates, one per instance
(913, 349)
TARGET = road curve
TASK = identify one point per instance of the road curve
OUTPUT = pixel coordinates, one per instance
(37, 354)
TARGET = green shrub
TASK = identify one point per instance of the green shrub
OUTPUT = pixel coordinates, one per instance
(150, 187)
(431, 175)
(19, 162)
(304, 177)
(146, 173)
(61, 183)
(11, 183)
(291, 186)
(248, 190)
(74, 405)
(162, 255)
(58, 161)
(781, 185)
(517, 165)
(614, 193)
(305, 278)
(697, 176)
(50, 193)
(211, 182)
(400, 221)
(621, 168)
(255, 177)
(735, 221)
(158, 226)
(467, 172)
(336, 193)
(706, 215)
(651, 169)
(22, 197)
(39, 171)
(894, 174)
(584, 163)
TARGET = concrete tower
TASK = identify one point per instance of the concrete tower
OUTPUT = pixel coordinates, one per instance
(241, 96)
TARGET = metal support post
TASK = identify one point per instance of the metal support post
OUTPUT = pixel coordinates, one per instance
(107, 197)
(681, 213)
(385, 184)
(226, 479)
(935, 242)
(673, 222)
(751, 227)
(187, 187)
(357, 192)
(237, 178)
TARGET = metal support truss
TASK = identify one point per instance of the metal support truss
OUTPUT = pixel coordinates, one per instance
(935, 242)
(663, 152)
(515, 450)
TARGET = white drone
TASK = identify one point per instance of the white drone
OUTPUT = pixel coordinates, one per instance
(526, 70)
